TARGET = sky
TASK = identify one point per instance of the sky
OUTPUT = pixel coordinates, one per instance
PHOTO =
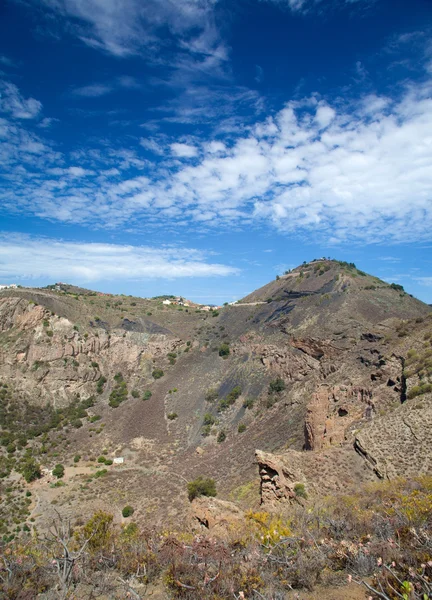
(201, 147)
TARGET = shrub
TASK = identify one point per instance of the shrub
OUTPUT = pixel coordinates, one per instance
(234, 394)
(101, 459)
(58, 471)
(77, 458)
(172, 416)
(224, 350)
(127, 511)
(201, 487)
(249, 403)
(209, 419)
(147, 395)
(108, 462)
(276, 386)
(100, 384)
(221, 437)
(211, 395)
(97, 530)
(135, 394)
(157, 373)
(300, 490)
(241, 428)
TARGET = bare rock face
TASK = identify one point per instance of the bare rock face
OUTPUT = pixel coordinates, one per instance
(315, 348)
(332, 410)
(50, 360)
(282, 361)
(214, 514)
(278, 474)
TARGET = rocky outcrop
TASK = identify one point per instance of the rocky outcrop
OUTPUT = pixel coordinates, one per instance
(51, 360)
(332, 410)
(280, 361)
(315, 348)
(279, 476)
(214, 514)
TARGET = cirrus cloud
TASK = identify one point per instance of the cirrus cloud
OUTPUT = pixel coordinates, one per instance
(26, 257)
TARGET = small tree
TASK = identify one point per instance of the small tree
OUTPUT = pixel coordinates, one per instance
(58, 471)
(31, 470)
(201, 487)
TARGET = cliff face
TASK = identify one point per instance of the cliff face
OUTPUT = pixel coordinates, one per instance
(50, 360)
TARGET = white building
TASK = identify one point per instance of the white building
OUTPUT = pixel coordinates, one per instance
(8, 286)
(166, 302)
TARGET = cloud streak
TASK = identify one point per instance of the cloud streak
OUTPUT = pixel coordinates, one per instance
(25, 257)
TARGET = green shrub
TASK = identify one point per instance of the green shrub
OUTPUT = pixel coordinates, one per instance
(300, 490)
(221, 437)
(172, 416)
(249, 403)
(234, 394)
(127, 511)
(276, 386)
(224, 350)
(209, 419)
(135, 394)
(241, 428)
(58, 471)
(100, 384)
(147, 395)
(201, 487)
(157, 373)
(77, 458)
(108, 462)
(94, 364)
(101, 459)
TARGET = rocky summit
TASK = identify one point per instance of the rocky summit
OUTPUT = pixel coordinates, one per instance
(314, 386)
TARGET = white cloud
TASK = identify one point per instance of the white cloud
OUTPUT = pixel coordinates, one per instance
(125, 27)
(8, 62)
(153, 145)
(358, 171)
(11, 101)
(25, 257)
(183, 150)
(303, 6)
(79, 172)
(424, 280)
(94, 90)
(47, 122)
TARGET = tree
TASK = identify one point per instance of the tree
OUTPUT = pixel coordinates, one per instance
(201, 487)
(31, 470)
(58, 471)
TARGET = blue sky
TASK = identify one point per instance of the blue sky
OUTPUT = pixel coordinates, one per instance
(201, 147)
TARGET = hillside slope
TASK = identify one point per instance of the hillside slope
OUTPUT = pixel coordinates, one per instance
(316, 375)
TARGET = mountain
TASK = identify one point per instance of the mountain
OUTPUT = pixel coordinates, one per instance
(322, 377)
